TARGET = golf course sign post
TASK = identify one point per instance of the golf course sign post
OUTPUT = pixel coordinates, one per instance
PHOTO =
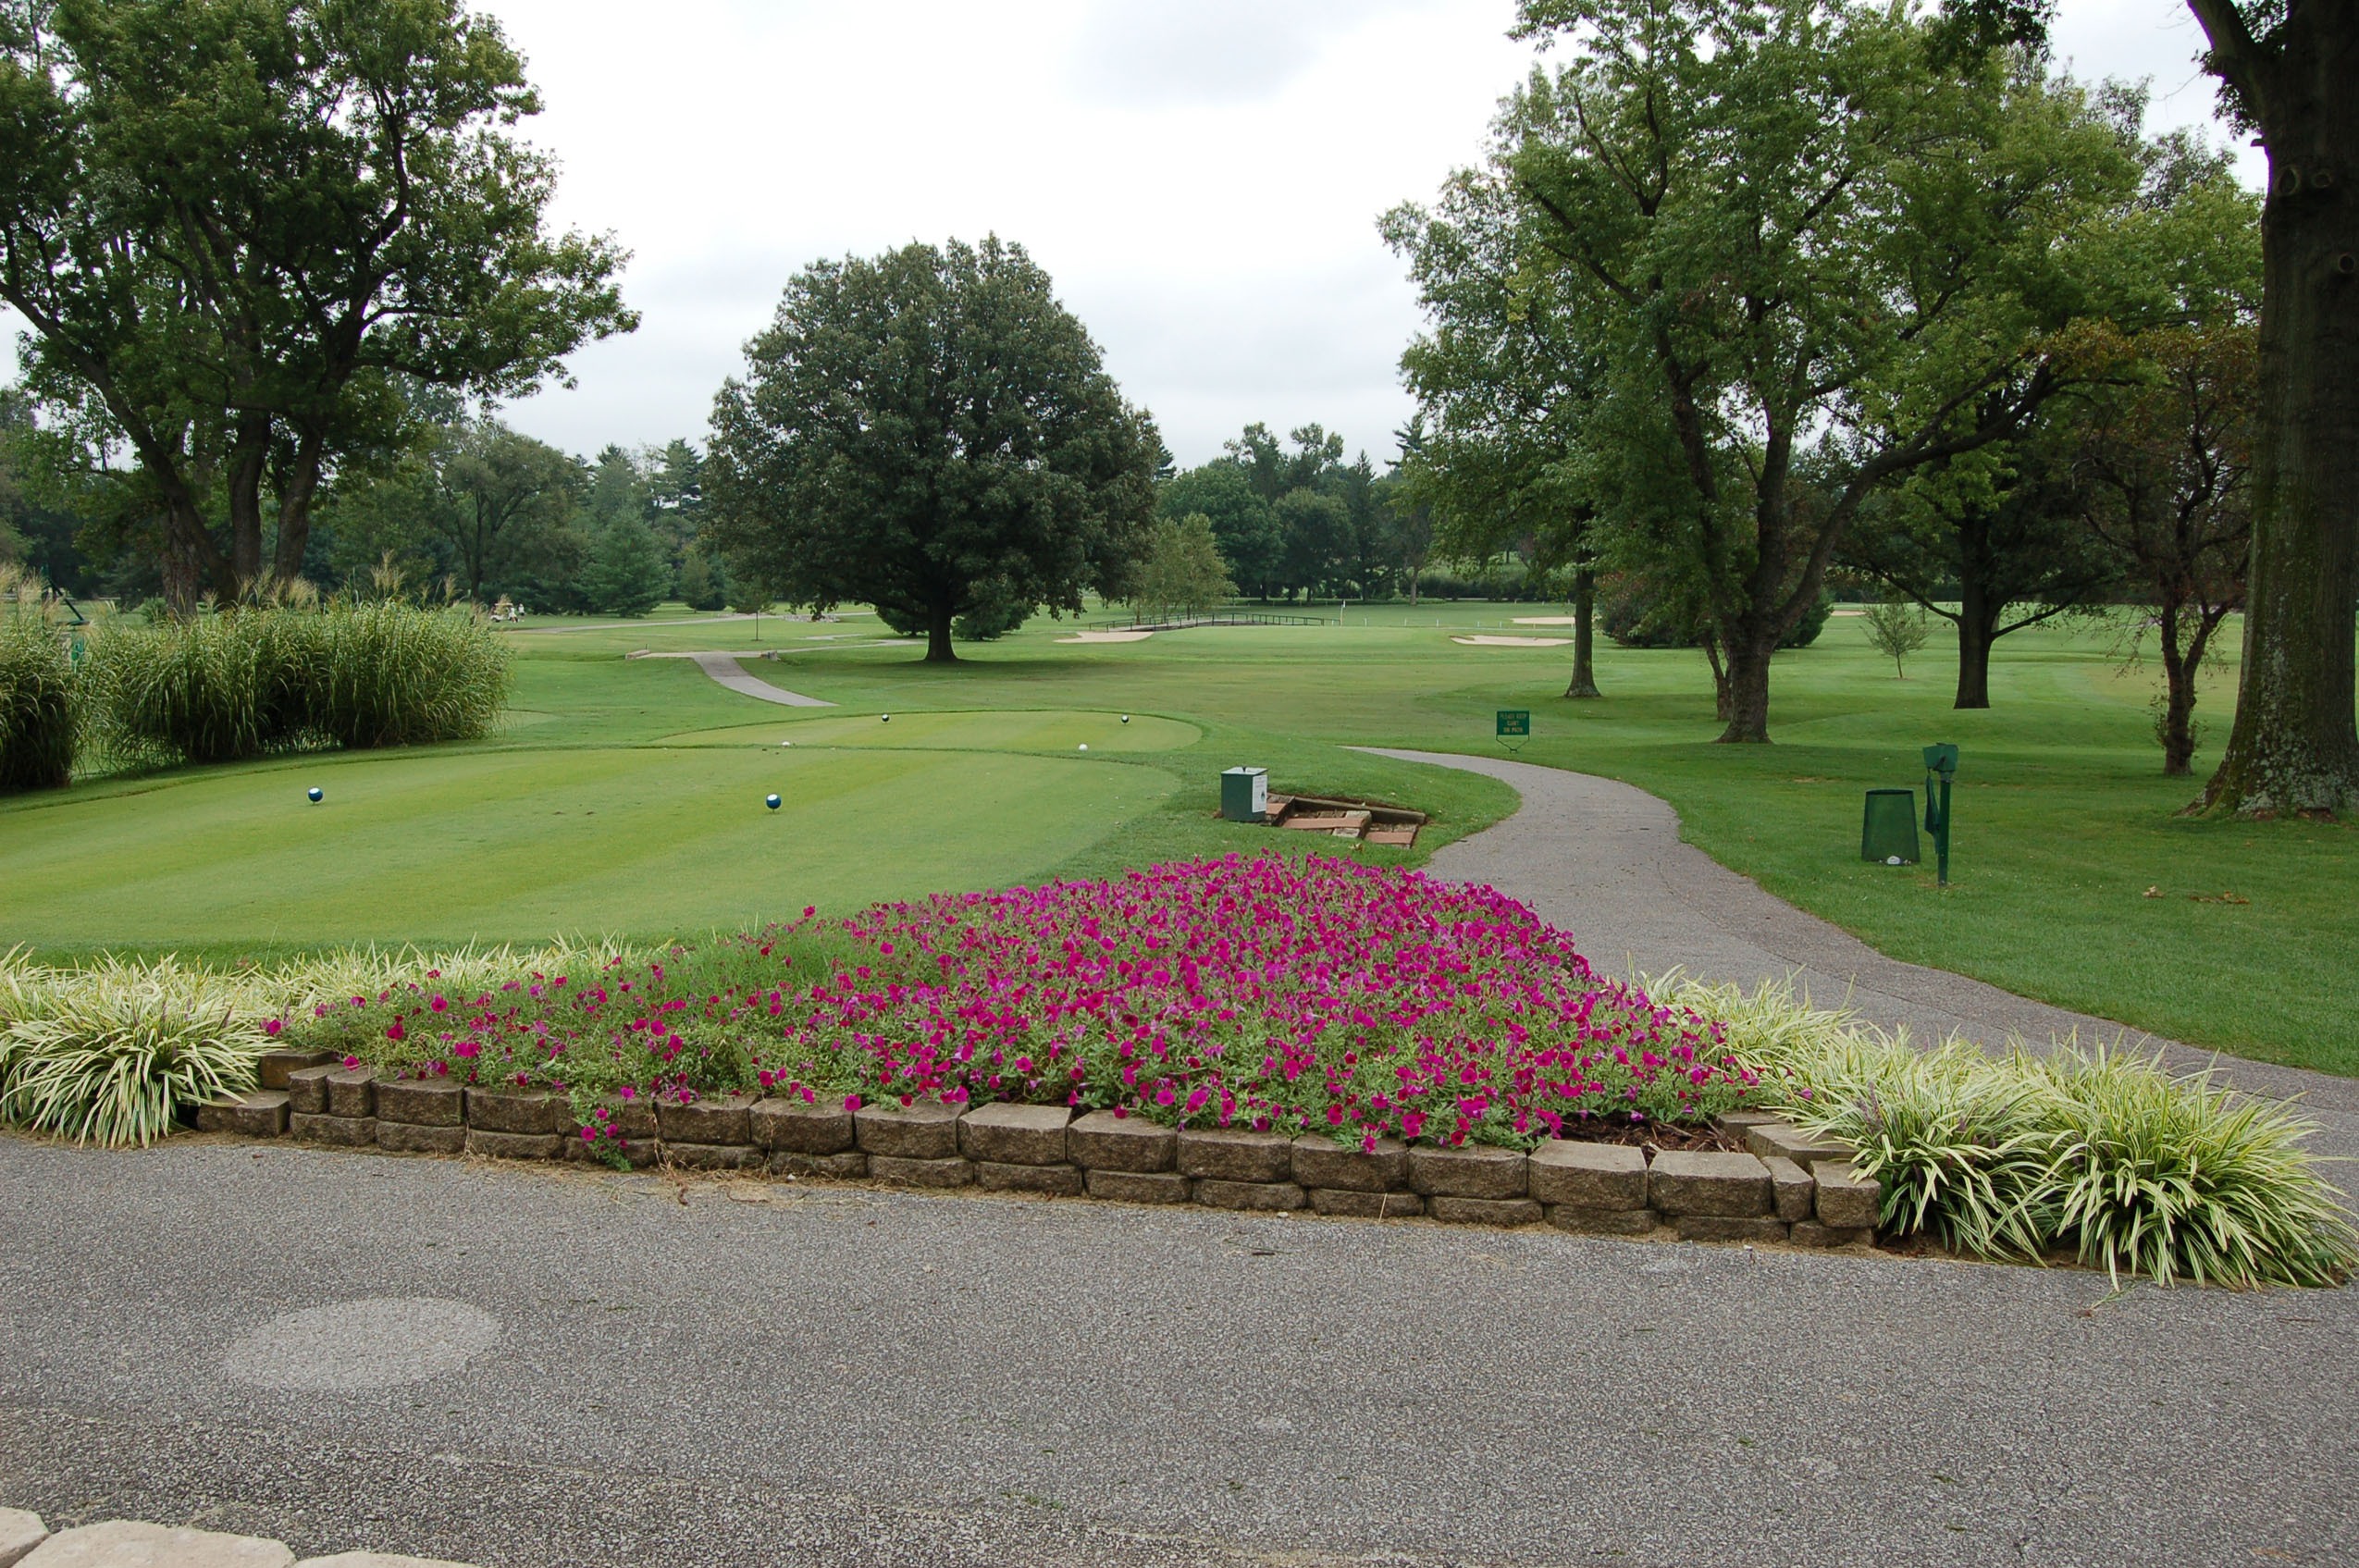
(1941, 769)
(1514, 727)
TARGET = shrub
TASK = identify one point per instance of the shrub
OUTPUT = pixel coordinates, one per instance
(38, 706)
(112, 1054)
(2099, 1150)
(255, 680)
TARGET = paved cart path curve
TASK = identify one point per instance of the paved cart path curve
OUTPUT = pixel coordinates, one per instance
(1604, 860)
(725, 668)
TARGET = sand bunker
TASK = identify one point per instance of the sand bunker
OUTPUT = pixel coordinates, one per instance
(1513, 642)
(1108, 636)
(1546, 621)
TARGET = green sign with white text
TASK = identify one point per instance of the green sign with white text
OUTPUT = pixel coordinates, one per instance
(1514, 721)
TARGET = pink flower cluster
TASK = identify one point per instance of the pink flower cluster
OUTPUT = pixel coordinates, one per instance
(1302, 996)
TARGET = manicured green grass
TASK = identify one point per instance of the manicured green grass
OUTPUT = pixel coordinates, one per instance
(2064, 821)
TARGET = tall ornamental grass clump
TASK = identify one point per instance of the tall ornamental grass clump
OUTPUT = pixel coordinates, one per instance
(112, 1054)
(2099, 1152)
(38, 711)
(258, 679)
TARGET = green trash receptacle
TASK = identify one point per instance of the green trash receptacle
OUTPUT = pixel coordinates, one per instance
(1245, 795)
(1888, 829)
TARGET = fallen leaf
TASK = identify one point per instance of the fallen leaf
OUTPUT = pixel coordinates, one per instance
(2152, 893)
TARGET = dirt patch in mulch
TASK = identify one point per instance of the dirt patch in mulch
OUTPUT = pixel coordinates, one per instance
(1660, 1136)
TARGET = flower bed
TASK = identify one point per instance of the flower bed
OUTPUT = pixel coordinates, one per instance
(1354, 1001)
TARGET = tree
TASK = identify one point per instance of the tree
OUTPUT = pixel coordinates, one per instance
(2166, 466)
(1896, 629)
(1816, 253)
(2287, 71)
(704, 582)
(1181, 572)
(493, 485)
(1242, 524)
(930, 432)
(1314, 529)
(1999, 530)
(626, 573)
(235, 294)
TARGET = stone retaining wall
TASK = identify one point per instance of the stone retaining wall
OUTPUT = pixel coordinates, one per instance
(1784, 1188)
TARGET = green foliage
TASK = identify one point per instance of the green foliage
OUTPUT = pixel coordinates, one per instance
(112, 1054)
(260, 679)
(932, 433)
(38, 707)
(625, 575)
(1182, 574)
(1897, 630)
(2008, 1155)
(1242, 527)
(704, 583)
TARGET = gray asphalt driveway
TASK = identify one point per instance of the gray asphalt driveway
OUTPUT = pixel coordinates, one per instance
(848, 1376)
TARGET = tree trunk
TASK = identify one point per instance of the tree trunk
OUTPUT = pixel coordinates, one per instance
(1744, 694)
(1974, 641)
(938, 650)
(294, 512)
(247, 460)
(1584, 604)
(2294, 748)
(2176, 729)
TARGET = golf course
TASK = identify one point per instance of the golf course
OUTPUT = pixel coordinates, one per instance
(623, 796)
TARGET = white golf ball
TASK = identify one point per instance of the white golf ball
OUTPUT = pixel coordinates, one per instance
(1085, 745)
(1892, 860)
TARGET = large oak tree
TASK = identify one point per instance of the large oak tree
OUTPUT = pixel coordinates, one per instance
(932, 432)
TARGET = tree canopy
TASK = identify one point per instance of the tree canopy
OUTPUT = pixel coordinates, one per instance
(932, 432)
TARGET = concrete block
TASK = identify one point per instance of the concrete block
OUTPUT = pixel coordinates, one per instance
(1789, 1143)
(1103, 1141)
(1004, 1133)
(1611, 1177)
(1737, 1123)
(1234, 1154)
(633, 1120)
(1847, 1201)
(1584, 1221)
(637, 1154)
(262, 1114)
(518, 1111)
(351, 1092)
(907, 1172)
(707, 1119)
(121, 1543)
(422, 1102)
(272, 1067)
(1477, 1171)
(1060, 1181)
(925, 1130)
(1486, 1211)
(307, 1091)
(1366, 1206)
(1811, 1233)
(715, 1157)
(788, 1125)
(349, 1132)
(1138, 1186)
(1730, 1228)
(1792, 1189)
(849, 1166)
(513, 1145)
(375, 1560)
(1320, 1161)
(20, 1533)
(1702, 1182)
(1218, 1194)
(409, 1138)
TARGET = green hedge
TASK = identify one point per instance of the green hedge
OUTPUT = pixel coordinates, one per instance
(37, 707)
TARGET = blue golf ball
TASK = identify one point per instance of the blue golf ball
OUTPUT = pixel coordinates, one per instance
(770, 801)
(315, 792)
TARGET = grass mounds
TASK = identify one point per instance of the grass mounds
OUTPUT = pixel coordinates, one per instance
(2099, 1152)
(112, 1054)
(37, 713)
(257, 679)
(1302, 996)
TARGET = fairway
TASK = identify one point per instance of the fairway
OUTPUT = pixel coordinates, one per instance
(517, 845)
(1048, 731)
(2065, 823)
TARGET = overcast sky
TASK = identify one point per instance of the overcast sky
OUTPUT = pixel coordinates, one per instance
(1202, 178)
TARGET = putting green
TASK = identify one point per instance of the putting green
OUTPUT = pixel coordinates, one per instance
(515, 846)
(1049, 729)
